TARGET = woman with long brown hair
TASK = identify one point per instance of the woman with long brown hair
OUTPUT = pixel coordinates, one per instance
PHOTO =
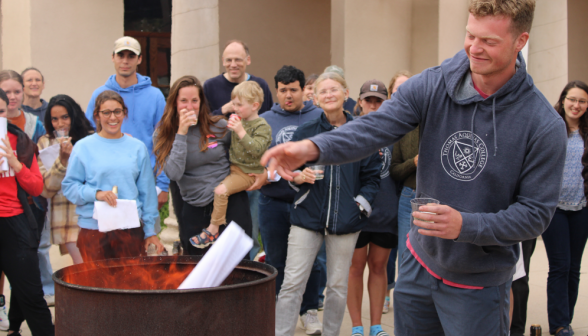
(191, 148)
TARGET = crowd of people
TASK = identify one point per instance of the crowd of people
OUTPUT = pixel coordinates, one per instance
(324, 180)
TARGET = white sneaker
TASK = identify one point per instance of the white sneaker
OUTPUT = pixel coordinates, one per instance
(3, 319)
(310, 322)
(50, 300)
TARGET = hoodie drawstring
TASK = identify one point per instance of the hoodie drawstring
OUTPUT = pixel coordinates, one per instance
(493, 125)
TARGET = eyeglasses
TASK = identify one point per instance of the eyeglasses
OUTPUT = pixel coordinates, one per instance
(327, 91)
(107, 113)
(574, 101)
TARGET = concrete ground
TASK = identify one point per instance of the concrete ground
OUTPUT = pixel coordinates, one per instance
(537, 306)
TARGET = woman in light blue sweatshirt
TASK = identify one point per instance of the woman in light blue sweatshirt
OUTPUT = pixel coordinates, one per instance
(98, 163)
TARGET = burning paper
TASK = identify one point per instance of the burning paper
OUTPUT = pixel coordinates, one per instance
(216, 265)
(3, 130)
(123, 216)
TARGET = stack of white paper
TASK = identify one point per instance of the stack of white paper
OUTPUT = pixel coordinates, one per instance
(49, 155)
(124, 216)
(3, 130)
(216, 265)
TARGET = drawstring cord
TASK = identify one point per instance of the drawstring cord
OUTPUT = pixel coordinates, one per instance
(494, 125)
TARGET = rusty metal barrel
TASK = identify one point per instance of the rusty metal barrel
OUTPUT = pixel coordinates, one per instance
(137, 296)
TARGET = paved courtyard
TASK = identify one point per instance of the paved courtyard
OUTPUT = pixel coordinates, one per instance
(537, 311)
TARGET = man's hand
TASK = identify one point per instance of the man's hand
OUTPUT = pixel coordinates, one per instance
(227, 108)
(447, 221)
(260, 181)
(162, 199)
(154, 240)
(286, 158)
(416, 160)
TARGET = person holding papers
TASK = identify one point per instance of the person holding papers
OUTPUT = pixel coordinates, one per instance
(19, 236)
(66, 124)
(99, 162)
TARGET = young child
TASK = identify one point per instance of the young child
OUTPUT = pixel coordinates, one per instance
(250, 139)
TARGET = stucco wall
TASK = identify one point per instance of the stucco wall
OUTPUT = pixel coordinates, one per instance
(71, 43)
(16, 34)
(453, 17)
(425, 40)
(279, 33)
(577, 47)
(376, 39)
(548, 48)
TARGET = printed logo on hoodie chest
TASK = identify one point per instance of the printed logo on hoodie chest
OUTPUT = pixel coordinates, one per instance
(285, 134)
(463, 156)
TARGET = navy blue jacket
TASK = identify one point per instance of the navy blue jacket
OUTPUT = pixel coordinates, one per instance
(331, 203)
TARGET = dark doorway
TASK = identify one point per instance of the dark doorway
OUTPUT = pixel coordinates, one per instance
(149, 21)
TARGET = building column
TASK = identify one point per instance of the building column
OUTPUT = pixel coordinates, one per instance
(548, 48)
(453, 18)
(172, 232)
(195, 39)
(370, 39)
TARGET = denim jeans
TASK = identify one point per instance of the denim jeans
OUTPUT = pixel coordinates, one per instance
(424, 305)
(391, 268)
(303, 247)
(274, 225)
(43, 250)
(564, 239)
(404, 215)
(254, 208)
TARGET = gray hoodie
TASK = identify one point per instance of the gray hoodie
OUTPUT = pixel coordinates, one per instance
(504, 180)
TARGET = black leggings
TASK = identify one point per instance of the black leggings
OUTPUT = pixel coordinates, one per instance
(194, 219)
(19, 261)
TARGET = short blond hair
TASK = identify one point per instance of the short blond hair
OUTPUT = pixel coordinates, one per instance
(519, 11)
(249, 91)
(329, 75)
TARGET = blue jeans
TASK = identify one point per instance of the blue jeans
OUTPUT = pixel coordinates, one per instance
(564, 239)
(424, 305)
(404, 216)
(274, 225)
(254, 208)
(391, 268)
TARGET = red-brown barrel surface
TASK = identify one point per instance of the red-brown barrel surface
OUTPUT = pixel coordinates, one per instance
(137, 296)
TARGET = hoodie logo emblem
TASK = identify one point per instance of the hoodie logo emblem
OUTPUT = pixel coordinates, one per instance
(285, 134)
(386, 157)
(462, 158)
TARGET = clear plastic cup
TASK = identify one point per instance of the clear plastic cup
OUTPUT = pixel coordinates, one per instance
(195, 118)
(319, 171)
(416, 203)
(61, 133)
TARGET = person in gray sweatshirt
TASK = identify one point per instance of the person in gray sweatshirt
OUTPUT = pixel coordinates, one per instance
(491, 151)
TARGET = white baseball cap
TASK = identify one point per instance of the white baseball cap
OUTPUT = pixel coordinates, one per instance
(127, 43)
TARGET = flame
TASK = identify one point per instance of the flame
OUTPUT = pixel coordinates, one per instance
(141, 273)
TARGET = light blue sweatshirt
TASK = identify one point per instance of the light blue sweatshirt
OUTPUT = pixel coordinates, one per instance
(97, 163)
(145, 104)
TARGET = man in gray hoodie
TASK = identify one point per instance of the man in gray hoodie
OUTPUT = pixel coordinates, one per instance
(492, 151)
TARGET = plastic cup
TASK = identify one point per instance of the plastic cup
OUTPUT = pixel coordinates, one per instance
(195, 118)
(416, 203)
(319, 171)
(61, 133)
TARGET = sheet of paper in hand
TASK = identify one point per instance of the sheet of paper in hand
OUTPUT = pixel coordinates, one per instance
(49, 155)
(216, 265)
(124, 216)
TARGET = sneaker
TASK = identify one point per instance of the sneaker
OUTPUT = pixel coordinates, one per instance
(386, 308)
(310, 322)
(563, 332)
(571, 330)
(50, 300)
(321, 305)
(3, 319)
